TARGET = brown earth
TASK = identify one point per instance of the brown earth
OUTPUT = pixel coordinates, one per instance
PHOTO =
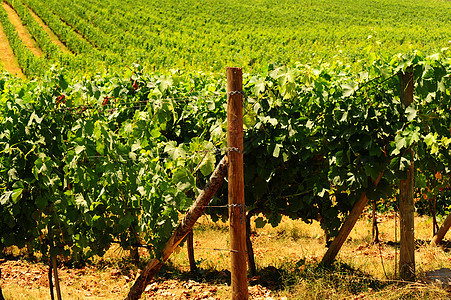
(25, 280)
(22, 30)
(7, 58)
(291, 248)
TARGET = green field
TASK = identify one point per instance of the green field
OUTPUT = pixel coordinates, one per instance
(210, 35)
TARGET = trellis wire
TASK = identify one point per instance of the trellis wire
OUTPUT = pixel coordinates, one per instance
(218, 249)
(166, 154)
(219, 206)
(136, 104)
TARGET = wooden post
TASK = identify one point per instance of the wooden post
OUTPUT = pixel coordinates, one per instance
(406, 203)
(438, 237)
(347, 226)
(375, 230)
(237, 210)
(190, 247)
(55, 276)
(250, 250)
(49, 274)
(345, 229)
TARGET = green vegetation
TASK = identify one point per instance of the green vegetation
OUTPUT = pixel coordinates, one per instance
(108, 159)
(88, 163)
(32, 65)
(209, 35)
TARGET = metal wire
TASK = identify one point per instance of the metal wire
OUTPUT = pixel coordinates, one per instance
(166, 154)
(232, 93)
(145, 102)
(221, 206)
(219, 249)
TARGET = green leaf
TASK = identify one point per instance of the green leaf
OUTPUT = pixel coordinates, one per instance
(394, 163)
(372, 171)
(400, 142)
(5, 197)
(136, 146)
(80, 201)
(126, 220)
(276, 151)
(434, 149)
(259, 86)
(415, 137)
(88, 127)
(352, 179)
(260, 222)
(79, 149)
(445, 141)
(175, 151)
(183, 180)
(267, 119)
(34, 118)
(431, 142)
(208, 164)
(411, 113)
(348, 89)
(420, 180)
(404, 163)
(429, 139)
(274, 219)
(12, 174)
(165, 82)
(340, 158)
(16, 195)
(41, 202)
(63, 84)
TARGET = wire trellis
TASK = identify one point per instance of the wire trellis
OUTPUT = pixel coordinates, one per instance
(162, 156)
(107, 105)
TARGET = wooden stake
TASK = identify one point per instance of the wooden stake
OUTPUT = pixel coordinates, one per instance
(375, 227)
(250, 250)
(55, 276)
(237, 209)
(438, 237)
(346, 228)
(190, 247)
(184, 227)
(434, 213)
(406, 203)
(52, 294)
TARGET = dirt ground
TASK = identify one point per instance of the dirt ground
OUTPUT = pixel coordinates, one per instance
(24, 280)
(22, 31)
(286, 258)
(7, 59)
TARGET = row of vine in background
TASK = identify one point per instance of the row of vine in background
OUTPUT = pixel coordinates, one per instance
(115, 159)
(190, 35)
(82, 58)
(65, 33)
(30, 64)
(50, 49)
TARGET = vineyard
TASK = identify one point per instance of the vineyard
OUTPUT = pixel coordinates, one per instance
(119, 128)
(209, 35)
